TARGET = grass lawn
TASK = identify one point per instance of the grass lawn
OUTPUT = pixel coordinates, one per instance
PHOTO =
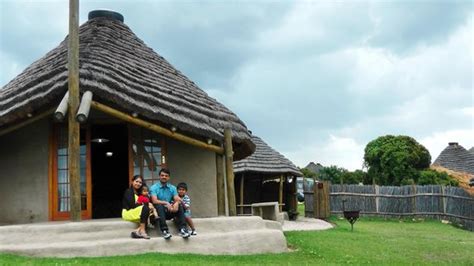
(374, 241)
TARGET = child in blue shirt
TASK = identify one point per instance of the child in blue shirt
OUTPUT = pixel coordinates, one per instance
(186, 203)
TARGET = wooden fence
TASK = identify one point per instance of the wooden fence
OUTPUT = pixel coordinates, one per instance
(434, 201)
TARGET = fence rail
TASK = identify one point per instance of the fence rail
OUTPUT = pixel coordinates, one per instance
(450, 203)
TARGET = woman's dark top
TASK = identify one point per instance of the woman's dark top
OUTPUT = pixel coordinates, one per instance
(128, 201)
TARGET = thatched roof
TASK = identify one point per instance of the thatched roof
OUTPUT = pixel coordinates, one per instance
(314, 167)
(462, 177)
(125, 74)
(455, 157)
(266, 160)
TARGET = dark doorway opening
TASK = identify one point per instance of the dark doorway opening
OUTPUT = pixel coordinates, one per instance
(109, 167)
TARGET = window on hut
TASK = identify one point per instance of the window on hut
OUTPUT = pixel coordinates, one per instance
(63, 170)
(148, 158)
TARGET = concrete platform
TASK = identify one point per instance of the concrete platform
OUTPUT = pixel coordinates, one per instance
(109, 237)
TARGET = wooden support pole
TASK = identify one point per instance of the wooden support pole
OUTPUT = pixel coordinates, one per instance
(84, 108)
(74, 130)
(153, 127)
(61, 111)
(292, 196)
(242, 193)
(229, 170)
(220, 185)
(280, 194)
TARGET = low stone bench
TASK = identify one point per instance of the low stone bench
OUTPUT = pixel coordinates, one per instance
(267, 210)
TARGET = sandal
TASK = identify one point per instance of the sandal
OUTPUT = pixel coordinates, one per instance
(144, 235)
(135, 234)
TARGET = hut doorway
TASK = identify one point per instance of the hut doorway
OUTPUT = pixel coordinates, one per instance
(109, 169)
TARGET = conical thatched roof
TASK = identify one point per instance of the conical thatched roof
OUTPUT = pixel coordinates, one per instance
(471, 150)
(314, 167)
(266, 160)
(455, 157)
(125, 74)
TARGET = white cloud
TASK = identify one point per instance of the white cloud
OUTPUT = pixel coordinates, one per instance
(333, 150)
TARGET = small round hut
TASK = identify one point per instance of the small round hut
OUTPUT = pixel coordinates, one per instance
(265, 176)
(455, 157)
(458, 163)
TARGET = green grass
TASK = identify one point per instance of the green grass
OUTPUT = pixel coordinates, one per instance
(374, 241)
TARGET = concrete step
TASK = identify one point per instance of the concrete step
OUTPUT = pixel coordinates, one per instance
(222, 235)
(116, 228)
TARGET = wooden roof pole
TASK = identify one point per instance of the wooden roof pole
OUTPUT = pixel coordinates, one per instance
(74, 129)
(84, 107)
(26, 122)
(61, 111)
(280, 193)
(242, 180)
(229, 169)
(163, 131)
(220, 185)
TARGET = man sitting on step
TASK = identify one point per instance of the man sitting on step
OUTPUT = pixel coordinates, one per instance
(162, 194)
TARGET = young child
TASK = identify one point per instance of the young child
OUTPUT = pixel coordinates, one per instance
(186, 203)
(144, 198)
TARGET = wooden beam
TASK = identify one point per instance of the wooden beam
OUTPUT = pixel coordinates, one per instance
(242, 193)
(220, 185)
(153, 127)
(280, 194)
(84, 108)
(26, 122)
(73, 103)
(61, 111)
(229, 168)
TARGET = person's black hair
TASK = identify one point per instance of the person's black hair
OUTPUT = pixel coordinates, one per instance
(135, 177)
(164, 170)
(182, 185)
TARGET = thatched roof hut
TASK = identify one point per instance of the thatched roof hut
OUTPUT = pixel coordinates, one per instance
(314, 167)
(455, 157)
(266, 160)
(265, 176)
(124, 73)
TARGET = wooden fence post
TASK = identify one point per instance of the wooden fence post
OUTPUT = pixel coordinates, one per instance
(443, 198)
(413, 201)
(376, 198)
(321, 200)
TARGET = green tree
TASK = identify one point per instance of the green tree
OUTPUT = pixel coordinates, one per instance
(395, 160)
(429, 176)
(339, 175)
(332, 173)
(308, 174)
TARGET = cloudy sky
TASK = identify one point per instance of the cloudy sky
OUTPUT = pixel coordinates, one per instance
(317, 80)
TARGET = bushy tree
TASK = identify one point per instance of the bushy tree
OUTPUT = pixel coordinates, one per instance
(429, 176)
(308, 174)
(395, 160)
(339, 175)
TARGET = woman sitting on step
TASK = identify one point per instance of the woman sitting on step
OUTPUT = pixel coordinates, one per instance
(134, 212)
